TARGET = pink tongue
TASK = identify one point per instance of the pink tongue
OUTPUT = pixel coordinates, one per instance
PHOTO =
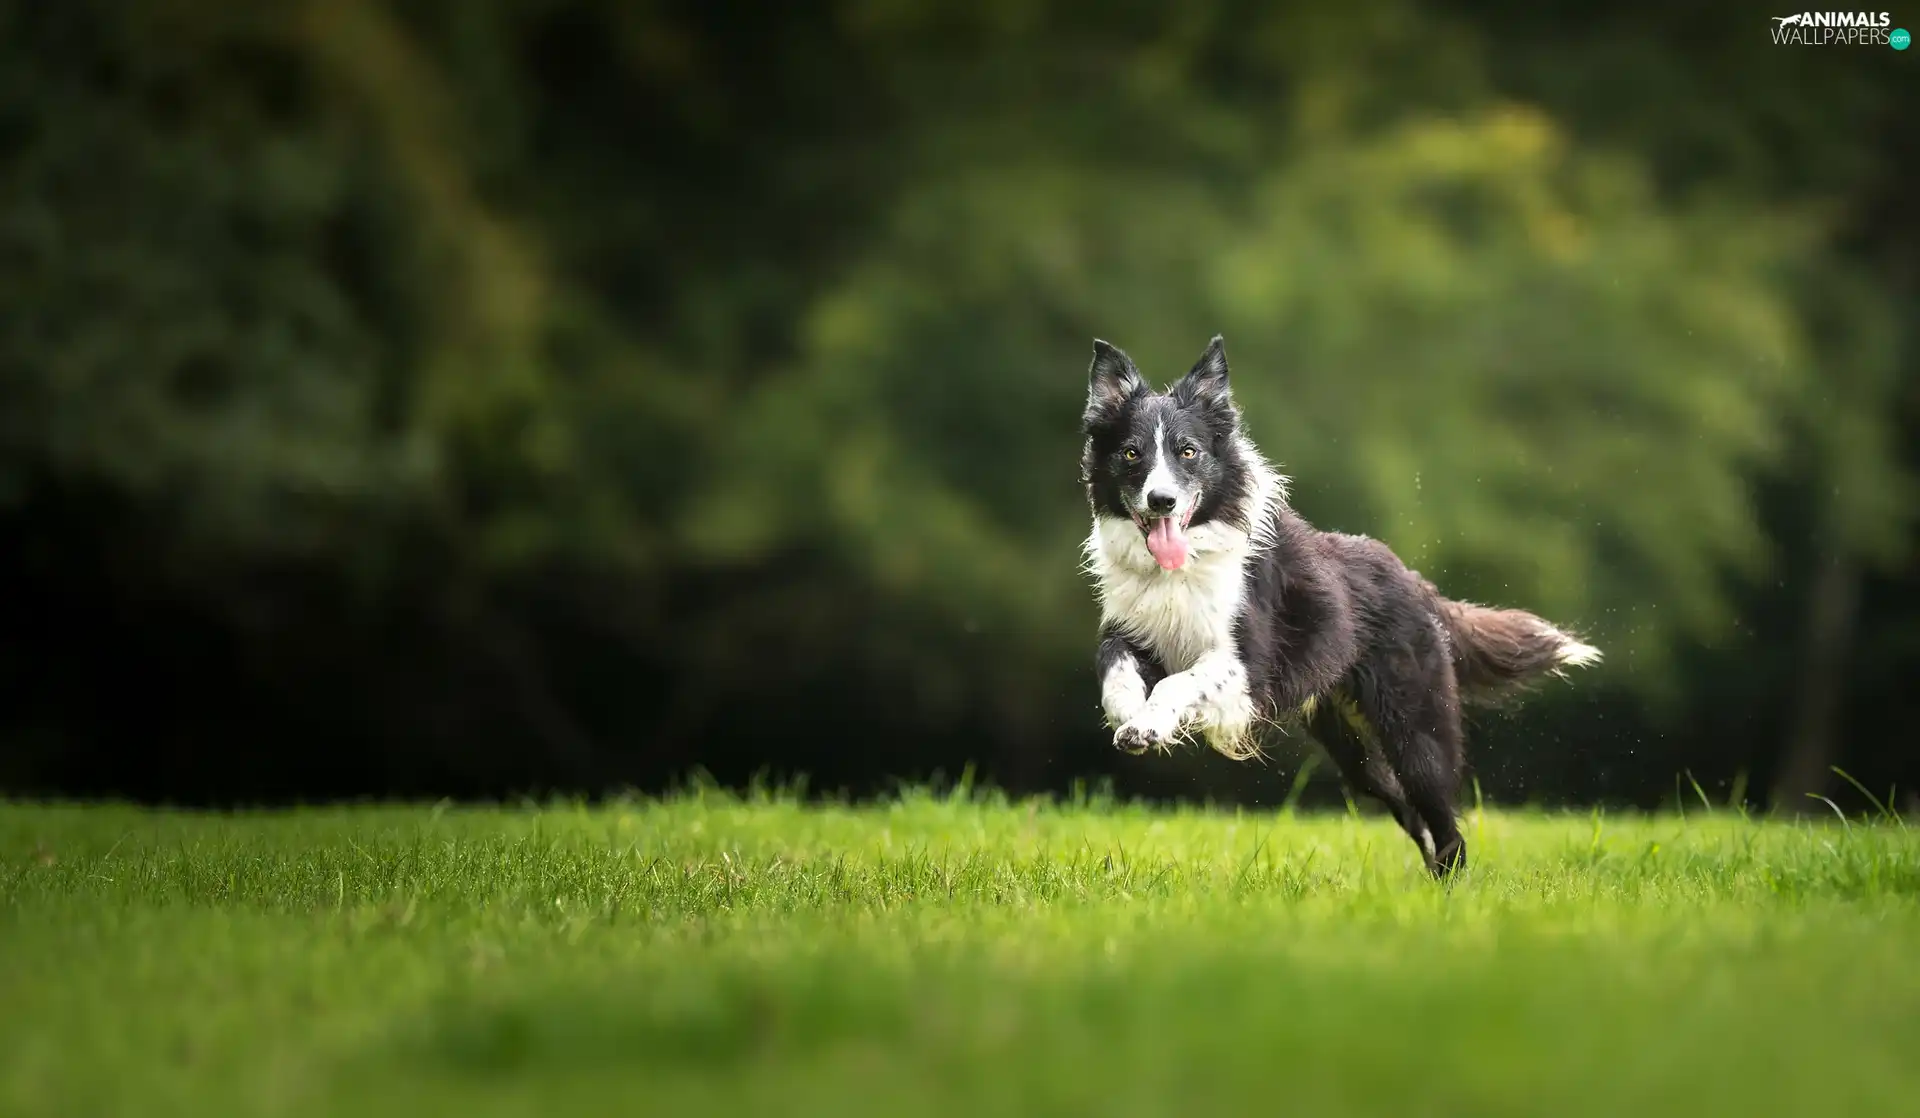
(1168, 542)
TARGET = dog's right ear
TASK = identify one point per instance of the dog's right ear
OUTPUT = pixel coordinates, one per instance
(1112, 380)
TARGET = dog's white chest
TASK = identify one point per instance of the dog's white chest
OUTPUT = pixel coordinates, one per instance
(1181, 615)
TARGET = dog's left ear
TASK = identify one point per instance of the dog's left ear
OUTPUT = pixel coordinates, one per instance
(1206, 382)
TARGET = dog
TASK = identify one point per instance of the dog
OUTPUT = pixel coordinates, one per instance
(1224, 614)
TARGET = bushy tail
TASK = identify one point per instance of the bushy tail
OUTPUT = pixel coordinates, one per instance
(1498, 651)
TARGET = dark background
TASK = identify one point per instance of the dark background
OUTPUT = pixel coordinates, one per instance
(486, 398)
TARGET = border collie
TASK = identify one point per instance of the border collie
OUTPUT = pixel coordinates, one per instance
(1224, 613)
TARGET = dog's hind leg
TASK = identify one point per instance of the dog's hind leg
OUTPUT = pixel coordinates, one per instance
(1341, 730)
(1432, 788)
(1408, 697)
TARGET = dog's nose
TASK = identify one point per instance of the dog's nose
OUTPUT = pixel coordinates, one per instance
(1160, 502)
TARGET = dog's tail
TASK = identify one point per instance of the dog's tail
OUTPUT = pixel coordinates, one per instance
(1498, 651)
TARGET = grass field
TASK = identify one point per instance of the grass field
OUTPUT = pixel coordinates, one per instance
(710, 955)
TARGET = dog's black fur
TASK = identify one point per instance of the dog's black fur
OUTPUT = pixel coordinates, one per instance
(1330, 629)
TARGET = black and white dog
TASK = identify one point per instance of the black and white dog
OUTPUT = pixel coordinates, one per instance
(1223, 612)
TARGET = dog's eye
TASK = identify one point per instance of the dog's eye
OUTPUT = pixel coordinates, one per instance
(1130, 454)
(1189, 451)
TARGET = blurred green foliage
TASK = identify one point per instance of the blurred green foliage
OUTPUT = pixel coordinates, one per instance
(640, 291)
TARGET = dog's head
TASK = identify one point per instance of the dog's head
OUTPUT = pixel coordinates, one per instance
(1166, 461)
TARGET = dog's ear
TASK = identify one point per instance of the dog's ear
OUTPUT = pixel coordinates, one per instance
(1112, 380)
(1206, 382)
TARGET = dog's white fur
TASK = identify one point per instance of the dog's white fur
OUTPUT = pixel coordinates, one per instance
(1186, 619)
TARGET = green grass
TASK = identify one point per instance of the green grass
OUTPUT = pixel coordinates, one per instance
(712, 955)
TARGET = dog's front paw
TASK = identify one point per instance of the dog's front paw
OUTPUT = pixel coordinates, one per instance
(1148, 730)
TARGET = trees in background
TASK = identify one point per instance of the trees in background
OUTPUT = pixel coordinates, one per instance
(558, 393)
